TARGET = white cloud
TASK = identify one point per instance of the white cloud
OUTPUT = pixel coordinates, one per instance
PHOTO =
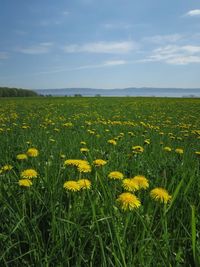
(105, 64)
(193, 13)
(41, 48)
(114, 62)
(102, 47)
(117, 26)
(3, 55)
(176, 55)
(158, 39)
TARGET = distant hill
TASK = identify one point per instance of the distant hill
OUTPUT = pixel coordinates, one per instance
(143, 91)
(16, 92)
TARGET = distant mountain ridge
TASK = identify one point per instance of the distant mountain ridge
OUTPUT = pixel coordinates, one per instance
(131, 91)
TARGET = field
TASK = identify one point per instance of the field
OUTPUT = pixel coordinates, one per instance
(99, 182)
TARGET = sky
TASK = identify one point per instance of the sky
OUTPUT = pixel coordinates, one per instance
(99, 43)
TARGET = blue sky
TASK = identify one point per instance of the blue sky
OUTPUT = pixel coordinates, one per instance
(100, 44)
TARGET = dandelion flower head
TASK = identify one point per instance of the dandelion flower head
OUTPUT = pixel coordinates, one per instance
(116, 175)
(142, 181)
(99, 162)
(138, 149)
(84, 183)
(160, 194)
(167, 149)
(6, 168)
(21, 157)
(179, 151)
(128, 201)
(25, 182)
(29, 174)
(112, 142)
(130, 185)
(84, 149)
(72, 186)
(32, 152)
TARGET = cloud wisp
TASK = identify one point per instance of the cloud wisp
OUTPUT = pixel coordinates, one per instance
(105, 64)
(160, 39)
(176, 55)
(102, 47)
(38, 49)
(193, 13)
(109, 63)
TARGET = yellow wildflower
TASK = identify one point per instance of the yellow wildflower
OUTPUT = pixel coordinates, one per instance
(83, 143)
(130, 185)
(21, 156)
(112, 142)
(167, 149)
(84, 167)
(160, 194)
(25, 182)
(99, 162)
(84, 149)
(128, 201)
(138, 149)
(32, 152)
(179, 151)
(72, 186)
(116, 175)
(147, 141)
(142, 181)
(73, 162)
(7, 167)
(84, 183)
(29, 174)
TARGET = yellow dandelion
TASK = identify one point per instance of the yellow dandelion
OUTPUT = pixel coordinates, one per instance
(197, 153)
(83, 143)
(84, 149)
(6, 168)
(142, 181)
(68, 124)
(84, 167)
(84, 183)
(116, 175)
(25, 182)
(179, 151)
(167, 149)
(130, 185)
(72, 186)
(21, 157)
(138, 149)
(29, 174)
(72, 162)
(147, 141)
(32, 152)
(99, 162)
(112, 142)
(160, 194)
(128, 201)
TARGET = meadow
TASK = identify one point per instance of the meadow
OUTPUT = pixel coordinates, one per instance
(99, 182)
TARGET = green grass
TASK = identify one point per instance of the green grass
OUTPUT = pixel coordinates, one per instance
(46, 225)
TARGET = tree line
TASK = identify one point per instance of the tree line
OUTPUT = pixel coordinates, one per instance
(16, 92)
